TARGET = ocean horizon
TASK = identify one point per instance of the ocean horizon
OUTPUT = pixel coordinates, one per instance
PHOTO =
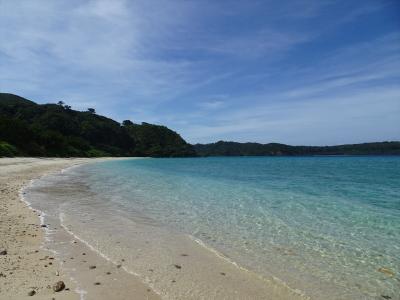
(324, 227)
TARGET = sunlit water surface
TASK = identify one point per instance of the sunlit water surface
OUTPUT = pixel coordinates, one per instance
(324, 225)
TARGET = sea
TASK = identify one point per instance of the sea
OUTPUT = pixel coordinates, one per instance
(328, 226)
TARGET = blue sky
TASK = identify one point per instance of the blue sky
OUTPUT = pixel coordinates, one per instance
(295, 72)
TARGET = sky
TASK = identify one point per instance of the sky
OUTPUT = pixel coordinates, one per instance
(296, 72)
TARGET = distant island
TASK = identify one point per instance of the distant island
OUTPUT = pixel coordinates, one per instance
(56, 130)
(222, 148)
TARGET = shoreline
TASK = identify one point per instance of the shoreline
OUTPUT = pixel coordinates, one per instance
(29, 269)
(127, 280)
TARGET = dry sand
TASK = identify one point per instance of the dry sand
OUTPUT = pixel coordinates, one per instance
(28, 268)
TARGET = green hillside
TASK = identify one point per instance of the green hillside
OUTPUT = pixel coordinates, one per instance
(56, 130)
(30, 129)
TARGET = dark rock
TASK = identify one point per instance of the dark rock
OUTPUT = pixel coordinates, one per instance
(44, 225)
(108, 273)
(3, 252)
(222, 273)
(31, 293)
(97, 283)
(92, 267)
(178, 266)
(59, 286)
(386, 297)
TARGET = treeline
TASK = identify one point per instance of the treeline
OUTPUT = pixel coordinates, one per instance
(222, 148)
(56, 130)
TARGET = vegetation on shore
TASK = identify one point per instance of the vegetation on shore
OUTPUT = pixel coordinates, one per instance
(222, 148)
(56, 130)
(30, 129)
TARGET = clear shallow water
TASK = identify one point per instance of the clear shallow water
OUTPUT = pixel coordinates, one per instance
(329, 226)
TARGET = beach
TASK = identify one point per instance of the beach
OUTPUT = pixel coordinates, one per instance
(32, 267)
(118, 228)
(27, 270)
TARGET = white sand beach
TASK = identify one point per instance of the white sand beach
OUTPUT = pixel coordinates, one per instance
(28, 269)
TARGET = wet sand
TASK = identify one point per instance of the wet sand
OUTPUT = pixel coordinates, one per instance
(193, 271)
(27, 270)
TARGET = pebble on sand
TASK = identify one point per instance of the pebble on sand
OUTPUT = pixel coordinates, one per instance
(92, 267)
(31, 293)
(3, 252)
(59, 286)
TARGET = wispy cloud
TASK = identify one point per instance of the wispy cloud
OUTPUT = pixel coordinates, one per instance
(216, 104)
(337, 118)
(169, 61)
(338, 102)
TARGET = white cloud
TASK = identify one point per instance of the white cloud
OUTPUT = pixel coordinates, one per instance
(167, 61)
(355, 101)
(317, 121)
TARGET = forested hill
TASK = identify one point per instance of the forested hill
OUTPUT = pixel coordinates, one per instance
(30, 129)
(222, 148)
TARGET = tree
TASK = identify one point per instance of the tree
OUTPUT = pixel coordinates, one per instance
(67, 107)
(91, 110)
(61, 103)
(127, 122)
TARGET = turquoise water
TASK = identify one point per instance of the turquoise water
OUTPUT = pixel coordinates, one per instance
(324, 225)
